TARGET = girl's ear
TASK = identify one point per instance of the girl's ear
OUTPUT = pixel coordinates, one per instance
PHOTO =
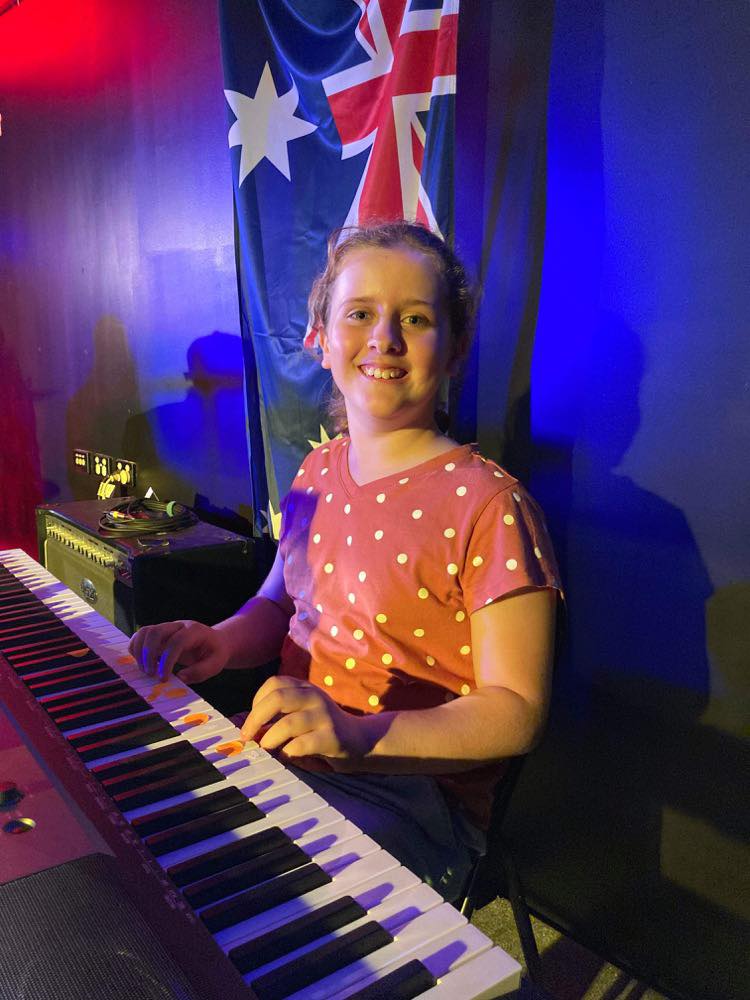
(325, 361)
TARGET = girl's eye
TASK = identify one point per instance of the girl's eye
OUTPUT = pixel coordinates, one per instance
(415, 320)
(358, 315)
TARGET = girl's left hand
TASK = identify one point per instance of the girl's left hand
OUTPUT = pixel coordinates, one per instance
(304, 721)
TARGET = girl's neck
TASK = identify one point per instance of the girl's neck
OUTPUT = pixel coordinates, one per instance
(375, 455)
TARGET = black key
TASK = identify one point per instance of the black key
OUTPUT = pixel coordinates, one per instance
(183, 812)
(283, 940)
(41, 646)
(60, 704)
(202, 828)
(117, 737)
(172, 753)
(155, 791)
(126, 705)
(84, 678)
(251, 873)
(321, 962)
(52, 661)
(79, 699)
(264, 897)
(410, 980)
(186, 760)
(193, 869)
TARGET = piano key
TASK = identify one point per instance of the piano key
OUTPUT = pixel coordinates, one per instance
(219, 859)
(93, 744)
(440, 938)
(200, 829)
(166, 787)
(244, 877)
(391, 915)
(488, 975)
(124, 707)
(304, 971)
(404, 983)
(297, 882)
(54, 703)
(166, 819)
(275, 944)
(182, 760)
(71, 680)
(171, 753)
(369, 878)
(301, 802)
(247, 904)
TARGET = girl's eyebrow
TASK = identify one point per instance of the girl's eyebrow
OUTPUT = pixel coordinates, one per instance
(405, 305)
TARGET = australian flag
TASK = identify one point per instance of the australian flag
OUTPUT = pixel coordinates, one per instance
(339, 112)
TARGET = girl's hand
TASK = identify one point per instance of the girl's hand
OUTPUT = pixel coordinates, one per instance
(201, 650)
(303, 720)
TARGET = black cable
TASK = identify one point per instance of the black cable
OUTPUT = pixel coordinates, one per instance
(140, 517)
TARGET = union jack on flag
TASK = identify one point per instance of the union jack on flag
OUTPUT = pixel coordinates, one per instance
(340, 112)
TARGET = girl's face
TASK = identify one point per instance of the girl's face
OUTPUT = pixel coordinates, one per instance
(387, 341)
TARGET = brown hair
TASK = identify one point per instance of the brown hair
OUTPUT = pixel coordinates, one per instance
(460, 291)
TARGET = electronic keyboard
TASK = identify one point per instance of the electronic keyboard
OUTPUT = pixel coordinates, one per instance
(258, 886)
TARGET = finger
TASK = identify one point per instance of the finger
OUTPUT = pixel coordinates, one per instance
(310, 744)
(276, 702)
(154, 642)
(289, 727)
(278, 683)
(177, 644)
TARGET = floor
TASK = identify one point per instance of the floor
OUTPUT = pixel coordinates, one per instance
(569, 971)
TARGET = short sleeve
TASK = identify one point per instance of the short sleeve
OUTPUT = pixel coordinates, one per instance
(509, 549)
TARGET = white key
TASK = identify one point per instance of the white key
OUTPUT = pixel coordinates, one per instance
(440, 935)
(491, 974)
(392, 913)
(371, 879)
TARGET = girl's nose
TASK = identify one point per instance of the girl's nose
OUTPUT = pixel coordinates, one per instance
(385, 336)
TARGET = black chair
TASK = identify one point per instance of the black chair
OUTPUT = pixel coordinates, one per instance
(495, 874)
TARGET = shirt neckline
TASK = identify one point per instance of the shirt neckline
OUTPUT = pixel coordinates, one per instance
(352, 488)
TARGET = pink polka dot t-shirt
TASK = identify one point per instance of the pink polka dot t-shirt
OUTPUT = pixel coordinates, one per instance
(385, 576)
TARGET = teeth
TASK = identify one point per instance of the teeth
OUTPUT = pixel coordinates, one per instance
(386, 373)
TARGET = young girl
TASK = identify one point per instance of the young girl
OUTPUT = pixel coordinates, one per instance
(412, 599)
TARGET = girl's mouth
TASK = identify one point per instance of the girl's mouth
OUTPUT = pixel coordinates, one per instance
(371, 371)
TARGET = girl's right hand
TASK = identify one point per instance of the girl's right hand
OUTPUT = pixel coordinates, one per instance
(201, 651)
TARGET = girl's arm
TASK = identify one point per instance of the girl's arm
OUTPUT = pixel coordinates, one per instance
(512, 645)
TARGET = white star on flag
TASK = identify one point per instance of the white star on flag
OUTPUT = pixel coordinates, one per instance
(265, 124)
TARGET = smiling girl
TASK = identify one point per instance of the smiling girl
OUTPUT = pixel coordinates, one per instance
(412, 599)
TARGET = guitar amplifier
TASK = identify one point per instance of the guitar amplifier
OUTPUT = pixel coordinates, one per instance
(200, 572)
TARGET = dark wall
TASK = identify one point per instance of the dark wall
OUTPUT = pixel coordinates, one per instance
(632, 820)
(118, 303)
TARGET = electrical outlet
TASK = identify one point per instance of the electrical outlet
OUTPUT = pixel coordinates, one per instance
(126, 472)
(102, 466)
(82, 460)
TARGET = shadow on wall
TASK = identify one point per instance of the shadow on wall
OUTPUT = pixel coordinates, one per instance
(20, 466)
(98, 410)
(195, 450)
(630, 815)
